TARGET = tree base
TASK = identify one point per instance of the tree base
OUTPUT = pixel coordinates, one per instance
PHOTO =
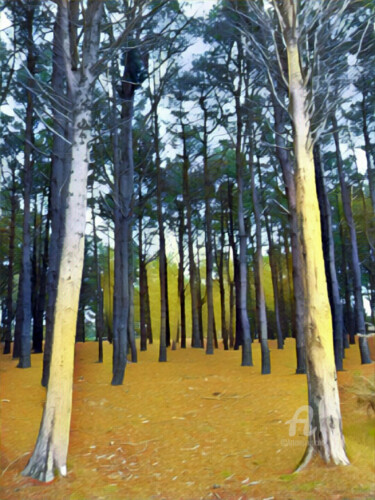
(311, 453)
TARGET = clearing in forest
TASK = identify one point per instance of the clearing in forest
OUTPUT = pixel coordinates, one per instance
(196, 427)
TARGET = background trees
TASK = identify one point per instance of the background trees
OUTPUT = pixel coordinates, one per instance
(192, 173)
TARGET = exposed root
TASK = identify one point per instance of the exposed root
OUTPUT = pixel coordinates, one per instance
(309, 453)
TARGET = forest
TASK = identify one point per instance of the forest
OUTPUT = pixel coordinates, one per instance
(187, 209)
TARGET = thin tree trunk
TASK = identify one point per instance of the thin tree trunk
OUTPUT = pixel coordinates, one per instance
(124, 179)
(10, 275)
(370, 166)
(131, 329)
(181, 279)
(25, 289)
(208, 235)
(275, 288)
(41, 293)
(162, 255)
(259, 287)
(99, 317)
(195, 339)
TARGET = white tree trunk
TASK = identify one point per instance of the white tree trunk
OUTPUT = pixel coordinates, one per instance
(325, 435)
(51, 449)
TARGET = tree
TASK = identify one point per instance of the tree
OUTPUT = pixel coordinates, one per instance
(325, 435)
(51, 448)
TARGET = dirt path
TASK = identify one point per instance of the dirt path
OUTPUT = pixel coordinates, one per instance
(196, 427)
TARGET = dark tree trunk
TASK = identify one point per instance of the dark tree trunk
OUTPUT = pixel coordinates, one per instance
(329, 260)
(162, 255)
(208, 233)
(10, 277)
(258, 272)
(236, 272)
(220, 270)
(356, 270)
(142, 270)
(370, 166)
(81, 328)
(195, 339)
(167, 325)
(99, 317)
(275, 288)
(25, 289)
(242, 267)
(131, 329)
(148, 311)
(181, 280)
(199, 294)
(40, 292)
(124, 179)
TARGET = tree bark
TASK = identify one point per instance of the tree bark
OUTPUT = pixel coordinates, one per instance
(258, 271)
(195, 338)
(10, 275)
(99, 316)
(25, 289)
(208, 235)
(50, 452)
(325, 432)
(181, 279)
(124, 180)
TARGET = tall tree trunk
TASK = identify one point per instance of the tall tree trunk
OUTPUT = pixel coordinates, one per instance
(142, 271)
(329, 260)
(41, 291)
(148, 311)
(10, 276)
(99, 316)
(370, 166)
(124, 179)
(290, 189)
(162, 255)
(25, 334)
(131, 330)
(275, 288)
(356, 270)
(208, 234)
(181, 279)
(259, 287)
(51, 448)
(195, 338)
(236, 271)
(242, 289)
(220, 269)
(325, 427)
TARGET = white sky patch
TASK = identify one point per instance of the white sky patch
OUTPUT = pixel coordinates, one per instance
(4, 21)
(361, 160)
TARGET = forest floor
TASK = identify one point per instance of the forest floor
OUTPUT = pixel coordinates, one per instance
(196, 427)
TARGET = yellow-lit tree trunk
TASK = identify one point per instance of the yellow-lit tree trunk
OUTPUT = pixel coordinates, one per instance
(51, 448)
(325, 434)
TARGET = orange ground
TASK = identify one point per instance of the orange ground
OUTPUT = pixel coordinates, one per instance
(196, 427)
